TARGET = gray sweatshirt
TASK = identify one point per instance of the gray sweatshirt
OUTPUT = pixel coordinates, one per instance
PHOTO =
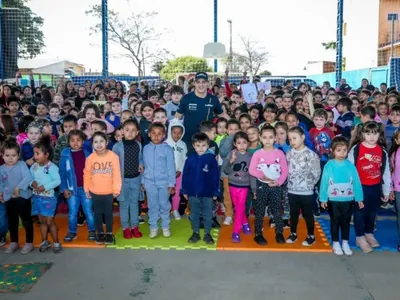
(16, 176)
(238, 171)
(225, 147)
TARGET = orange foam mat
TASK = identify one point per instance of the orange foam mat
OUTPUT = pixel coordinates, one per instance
(248, 244)
(62, 225)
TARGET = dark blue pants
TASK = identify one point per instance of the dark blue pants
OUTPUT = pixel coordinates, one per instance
(201, 206)
(364, 219)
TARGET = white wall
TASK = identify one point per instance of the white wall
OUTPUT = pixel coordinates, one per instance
(360, 45)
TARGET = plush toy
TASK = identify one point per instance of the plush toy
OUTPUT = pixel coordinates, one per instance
(272, 171)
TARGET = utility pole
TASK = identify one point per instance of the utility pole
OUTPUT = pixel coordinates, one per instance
(215, 31)
(104, 30)
(230, 45)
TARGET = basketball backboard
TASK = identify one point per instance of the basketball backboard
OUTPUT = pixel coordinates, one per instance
(214, 50)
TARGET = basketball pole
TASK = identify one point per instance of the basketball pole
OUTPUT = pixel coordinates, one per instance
(104, 31)
(339, 42)
(215, 31)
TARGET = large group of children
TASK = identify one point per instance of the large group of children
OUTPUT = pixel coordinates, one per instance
(294, 152)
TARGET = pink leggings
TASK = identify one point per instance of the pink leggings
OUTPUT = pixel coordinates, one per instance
(239, 196)
(176, 198)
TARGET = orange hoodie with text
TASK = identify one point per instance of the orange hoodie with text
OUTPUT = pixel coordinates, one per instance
(102, 175)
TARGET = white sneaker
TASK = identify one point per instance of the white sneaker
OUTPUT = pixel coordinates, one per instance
(337, 249)
(228, 221)
(177, 216)
(153, 233)
(166, 233)
(346, 249)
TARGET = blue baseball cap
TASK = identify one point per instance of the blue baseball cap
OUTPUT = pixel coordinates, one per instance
(201, 75)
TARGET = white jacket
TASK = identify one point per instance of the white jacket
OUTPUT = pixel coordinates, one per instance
(179, 147)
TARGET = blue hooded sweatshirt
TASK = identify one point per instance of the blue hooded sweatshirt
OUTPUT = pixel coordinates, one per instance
(159, 165)
(200, 177)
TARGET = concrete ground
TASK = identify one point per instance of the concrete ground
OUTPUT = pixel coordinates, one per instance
(135, 275)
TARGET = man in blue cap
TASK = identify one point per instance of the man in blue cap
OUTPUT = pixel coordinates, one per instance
(196, 107)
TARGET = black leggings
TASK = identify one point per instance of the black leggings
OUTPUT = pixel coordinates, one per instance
(103, 205)
(305, 204)
(340, 213)
(19, 208)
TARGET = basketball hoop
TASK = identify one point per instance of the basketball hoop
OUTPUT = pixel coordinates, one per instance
(214, 51)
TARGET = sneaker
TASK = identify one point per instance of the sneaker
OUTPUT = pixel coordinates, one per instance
(57, 248)
(271, 223)
(91, 236)
(194, 238)
(279, 238)
(346, 249)
(70, 237)
(177, 215)
(100, 239)
(260, 240)
(362, 243)
(371, 240)
(44, 246)
(28, 248)
(153, 233)
(246, 229)
(166, 232)
(310, 240)
(384, 205)
(127, 233)
(215, 223)
(235, 238)
(141, 220)
(81, 220)
(11, 248)
(208, 239)
(109, 239)
(136, 232)
(286, 224)
(292, 238)
(337, 249)
(3, 241)
(228, 221)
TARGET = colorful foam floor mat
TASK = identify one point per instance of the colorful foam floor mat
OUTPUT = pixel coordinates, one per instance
(247, 243)
(20, 278)
(62, 225)
(386, 234)
(180, 233)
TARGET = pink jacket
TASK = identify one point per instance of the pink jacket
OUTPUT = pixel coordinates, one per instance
(263, 162)
(395, 168)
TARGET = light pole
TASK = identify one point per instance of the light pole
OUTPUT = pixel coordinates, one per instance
(104, 30)
(339, 42)
(230, 45)
(215, 31)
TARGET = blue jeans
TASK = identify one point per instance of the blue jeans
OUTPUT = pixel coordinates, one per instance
(159, 205)
(129, 208)
(364, 219)
(201, 206)
(73, 207)
(3, 220)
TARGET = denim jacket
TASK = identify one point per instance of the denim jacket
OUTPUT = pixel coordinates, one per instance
(67, 171)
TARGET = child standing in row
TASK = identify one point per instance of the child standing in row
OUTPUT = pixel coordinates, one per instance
(129, 152)
(369, 155)
(269, 166)
(237, 167)
(175, 133)
(71, 167)
(394, 156)
(15, 194)
(340, 186)
(102, 183)
(304, 173)
(44, 203)
(158, 179)
(200, 185)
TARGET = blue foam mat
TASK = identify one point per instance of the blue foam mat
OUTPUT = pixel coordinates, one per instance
(386, 234)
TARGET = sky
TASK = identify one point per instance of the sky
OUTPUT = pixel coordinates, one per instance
(290, 30)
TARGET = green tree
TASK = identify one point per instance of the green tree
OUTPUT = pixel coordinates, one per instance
(135, 35)
(30, 35)
(331, 45)
(184, 64)
(238, 63)
(157, 67)
(265, 73)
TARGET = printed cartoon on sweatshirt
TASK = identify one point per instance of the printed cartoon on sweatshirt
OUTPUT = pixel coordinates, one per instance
(338, 190)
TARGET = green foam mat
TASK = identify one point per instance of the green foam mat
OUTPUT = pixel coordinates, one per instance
(20, 278)
(180, 233)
